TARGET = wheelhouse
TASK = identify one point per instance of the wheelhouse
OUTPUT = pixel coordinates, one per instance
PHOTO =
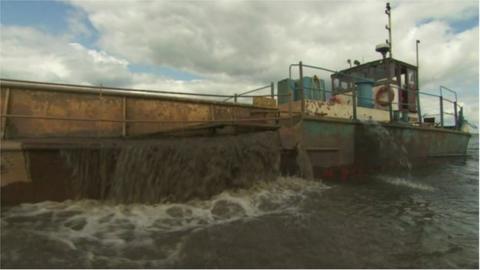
(382, 72)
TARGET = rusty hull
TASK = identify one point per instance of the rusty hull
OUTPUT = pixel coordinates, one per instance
(33, 168)
(343, 149)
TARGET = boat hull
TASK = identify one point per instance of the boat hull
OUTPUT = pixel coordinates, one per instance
(339, 149)
(40, 120)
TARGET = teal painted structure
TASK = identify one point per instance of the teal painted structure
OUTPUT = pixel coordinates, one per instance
(314, 89)
(338, 148)
(365, 93)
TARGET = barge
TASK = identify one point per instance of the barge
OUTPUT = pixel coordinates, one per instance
(368, 118)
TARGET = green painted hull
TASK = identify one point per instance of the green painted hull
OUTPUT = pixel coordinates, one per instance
(341, 148)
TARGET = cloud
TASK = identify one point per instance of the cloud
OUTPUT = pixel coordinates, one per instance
(257, 41)
(30, 54)
(242, 44)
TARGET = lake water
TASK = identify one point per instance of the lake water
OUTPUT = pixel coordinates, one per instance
(426, 219)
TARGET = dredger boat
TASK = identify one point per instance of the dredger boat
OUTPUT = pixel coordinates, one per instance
(62, 141)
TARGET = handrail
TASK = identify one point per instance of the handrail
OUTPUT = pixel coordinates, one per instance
(455, 104)
(254, 90)
(448, 89)
(97, 89)
(136, 121)
(324, 69)
(373, 99)
(247, 92)
(102, 90)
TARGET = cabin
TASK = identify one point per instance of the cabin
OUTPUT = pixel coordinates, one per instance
(400, 75)
(383, 90)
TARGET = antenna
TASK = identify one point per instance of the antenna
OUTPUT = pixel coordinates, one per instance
(389, 28)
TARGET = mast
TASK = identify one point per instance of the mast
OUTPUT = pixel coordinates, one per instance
(389, 28)
(419, 112)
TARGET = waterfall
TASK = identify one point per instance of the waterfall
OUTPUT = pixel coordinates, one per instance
(389, 150)
(173, 169)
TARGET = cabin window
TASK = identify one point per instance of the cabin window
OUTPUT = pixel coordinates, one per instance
(403, 80)
(336, 83)
(411, 79)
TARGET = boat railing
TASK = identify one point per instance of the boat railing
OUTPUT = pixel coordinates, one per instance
(457, 112)
(260, 114)
(119, 91)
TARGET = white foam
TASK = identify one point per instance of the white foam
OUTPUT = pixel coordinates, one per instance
(399, 181)
(117, 227)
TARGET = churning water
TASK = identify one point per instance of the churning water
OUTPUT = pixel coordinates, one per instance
(428, 219)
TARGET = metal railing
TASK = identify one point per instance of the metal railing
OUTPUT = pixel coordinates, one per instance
(124, 93)
(458, 117)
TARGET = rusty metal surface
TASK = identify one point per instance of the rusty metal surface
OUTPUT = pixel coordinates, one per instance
(14, 167)
(339, 148)
(4, 100)
(41, 103)
(49, 177)
(325, 134)
(96, 115)
(161, 110)
(266, 102)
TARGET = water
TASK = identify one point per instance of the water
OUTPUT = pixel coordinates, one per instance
(173, 169)
(427, 218)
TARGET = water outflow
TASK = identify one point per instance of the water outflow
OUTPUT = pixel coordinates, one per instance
(173, 169)
(389, 150)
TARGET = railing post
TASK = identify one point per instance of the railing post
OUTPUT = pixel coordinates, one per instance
(441, 110)
(460, 116)
(124, 123)
(354, 102)
(390, 109)
(290, 104)
(455, 114)
(417, 77)
(272, 90)
(5, 113)
(419, 112)
(302, 93)
(388, 70)
(235, 98)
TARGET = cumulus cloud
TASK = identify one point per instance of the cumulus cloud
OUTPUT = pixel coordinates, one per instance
(241, 44)
(30, 54)
(257, 41)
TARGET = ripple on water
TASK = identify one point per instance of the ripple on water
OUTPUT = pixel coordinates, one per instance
(90, 233)
(405, 182)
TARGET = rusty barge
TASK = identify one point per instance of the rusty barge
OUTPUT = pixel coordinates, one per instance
(368, 118)
(327, 134)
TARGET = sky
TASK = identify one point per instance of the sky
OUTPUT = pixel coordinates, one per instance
(231, 46)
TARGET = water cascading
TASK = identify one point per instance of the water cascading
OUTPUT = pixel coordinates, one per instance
(173, 169)
(389, 150)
